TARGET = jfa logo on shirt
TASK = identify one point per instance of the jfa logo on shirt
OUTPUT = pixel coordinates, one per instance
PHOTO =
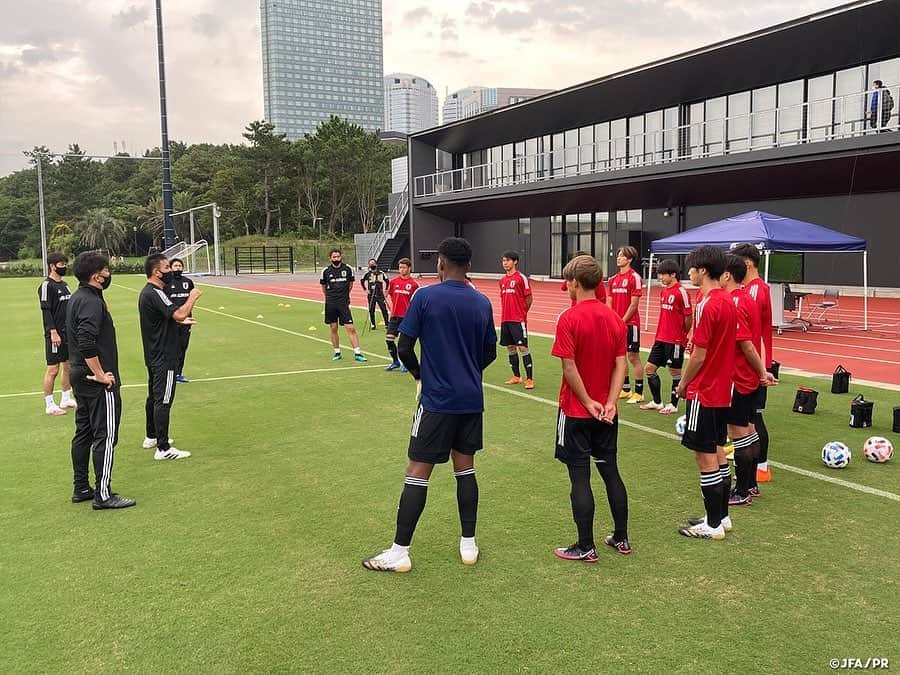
(408, 286)
(343, 273)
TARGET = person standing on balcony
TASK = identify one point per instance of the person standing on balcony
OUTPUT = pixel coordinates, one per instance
(373, 283)
(880, 100)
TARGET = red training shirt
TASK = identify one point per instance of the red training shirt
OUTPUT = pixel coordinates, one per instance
(674, 305)
(591, 334)
(400, 291)
(514, 288)
(746, 380)
(758, 290)
(599, 292)
(622, 288)
(715, 328)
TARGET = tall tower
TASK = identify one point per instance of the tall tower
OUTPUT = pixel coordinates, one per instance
(410, 103)
(321, 59)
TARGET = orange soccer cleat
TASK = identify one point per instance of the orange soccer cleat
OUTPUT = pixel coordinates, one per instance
(515, 379)
(529, 384)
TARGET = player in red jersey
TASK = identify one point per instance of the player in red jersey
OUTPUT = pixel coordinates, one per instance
(400, 292)
(759, 292)
(599, 292)
(590, 340)
(625, 290)
(671, 337)
(515, 301)
(750, 379)
(706, 384)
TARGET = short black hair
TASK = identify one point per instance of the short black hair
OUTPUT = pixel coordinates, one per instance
(56, 257)
(879, 83)
(373, 260)
(668, 267)
(455, 251)
(172, 261)
(736, 267)
(511, 255)
(333, 251)
(710, 258)
(747, 252)
(152, 263)
(87, 264)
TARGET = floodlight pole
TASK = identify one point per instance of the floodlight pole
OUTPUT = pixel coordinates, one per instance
(40, 178)
(168, 225)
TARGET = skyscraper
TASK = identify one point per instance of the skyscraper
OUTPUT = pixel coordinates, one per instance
(321, 59)
(410, 103)
(473, 101)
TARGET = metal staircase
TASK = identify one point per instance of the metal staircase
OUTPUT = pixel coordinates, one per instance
(392, 234)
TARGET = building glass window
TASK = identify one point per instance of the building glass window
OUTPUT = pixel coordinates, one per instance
(557, 234)
(694, 140)
(571, 152)
(653, 141)
(762, 123)
(586, 150)
(850, 107)
(601, 144)
(671, 137)
(714, 129)
(790, 112)
(618, 133)
(739, 122)
(889, 73)
(636, 140)
(820, 94)
(600, 248)
(524, 225)
(557, 156)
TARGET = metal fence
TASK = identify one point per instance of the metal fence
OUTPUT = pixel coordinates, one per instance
(264, 260)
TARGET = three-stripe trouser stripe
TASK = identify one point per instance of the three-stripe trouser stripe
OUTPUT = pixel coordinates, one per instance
(170, 384)
(109, 444)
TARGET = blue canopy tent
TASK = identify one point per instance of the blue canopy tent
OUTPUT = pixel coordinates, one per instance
(770, 234)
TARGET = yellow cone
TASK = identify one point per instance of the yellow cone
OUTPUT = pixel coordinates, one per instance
(312, 328)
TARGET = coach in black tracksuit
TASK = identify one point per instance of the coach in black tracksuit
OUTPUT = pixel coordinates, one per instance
(178, 290)
(374, 282)
(160, 320)
(94, 359)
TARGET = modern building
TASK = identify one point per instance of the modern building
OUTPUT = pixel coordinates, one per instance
(780, 120)
(321, 59)
(473, 101)
(410, 103)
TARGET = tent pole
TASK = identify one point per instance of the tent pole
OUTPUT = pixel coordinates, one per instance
(649, 284)
(865, 290)
(768, 253)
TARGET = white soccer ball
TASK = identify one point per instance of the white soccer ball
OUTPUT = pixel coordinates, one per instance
(878, 449)
(836, 455)
(680, 425)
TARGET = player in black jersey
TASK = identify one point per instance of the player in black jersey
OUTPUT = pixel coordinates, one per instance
(54, 295)
(179, 290)
(374, 283)
(337, 282)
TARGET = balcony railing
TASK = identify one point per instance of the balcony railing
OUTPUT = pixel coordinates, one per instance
(828, 119)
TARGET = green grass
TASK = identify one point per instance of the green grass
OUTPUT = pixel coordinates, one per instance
(246, 557)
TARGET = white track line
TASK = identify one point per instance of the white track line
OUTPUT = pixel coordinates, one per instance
(226, 377)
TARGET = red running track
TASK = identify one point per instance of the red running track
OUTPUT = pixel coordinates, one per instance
(872, 355)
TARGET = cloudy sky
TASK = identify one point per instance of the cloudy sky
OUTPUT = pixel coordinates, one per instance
(75, 71)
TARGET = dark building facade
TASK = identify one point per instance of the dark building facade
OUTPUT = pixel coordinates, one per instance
(784, 120)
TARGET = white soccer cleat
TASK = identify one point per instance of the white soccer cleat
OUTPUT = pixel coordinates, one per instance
(703, 531)
(150, 443)
(55, 411)
(668, 409)
(171, 453)
(652, 405)
(726, 522)
(388, 561)
(468, 552)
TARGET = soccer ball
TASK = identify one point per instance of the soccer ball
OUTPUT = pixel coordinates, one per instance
(836, 455)
(878, 449)
(680, 425)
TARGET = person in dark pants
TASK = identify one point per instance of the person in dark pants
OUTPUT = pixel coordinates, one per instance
(374, 282)
(179, 290)
(160, 320)
(94, 371)
(54, 294)
(880, 99)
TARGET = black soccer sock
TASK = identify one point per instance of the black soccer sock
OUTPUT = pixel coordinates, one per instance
(392, 349)
(514, 364)
(676, 380)
(762, 451)
(639, 386)
(529, 365)
(617, 497)
(627, 385)
(412, 503)
(712, 488)
(745, 449)
(655, 387)
(725, 472)
(467, 500)
(582, 505)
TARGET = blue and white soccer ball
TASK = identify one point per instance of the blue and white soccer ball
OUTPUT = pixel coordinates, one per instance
(680, 425)
(836, 455)
(878, 449)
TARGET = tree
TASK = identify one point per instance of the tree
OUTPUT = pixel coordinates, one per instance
(267, 153)
(311, 182)
(371, 182)
(99, 229)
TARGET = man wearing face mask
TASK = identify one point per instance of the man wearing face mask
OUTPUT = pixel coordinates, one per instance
(54, 295)
(160, 319)
(95, 379)
(179, 290)
(373, 283)
(337, 282)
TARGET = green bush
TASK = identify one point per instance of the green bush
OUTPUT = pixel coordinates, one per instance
(21, 269)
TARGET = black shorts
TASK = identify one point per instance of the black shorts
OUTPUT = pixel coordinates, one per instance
(434, 435)
(706, 428)
(743, 407)
(633, 339)
(665, 354)
(513, 334)
(393, 327)
(335, 313)
(579, 439)
(56, 355)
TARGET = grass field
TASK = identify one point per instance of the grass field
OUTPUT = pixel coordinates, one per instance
(246, 556)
